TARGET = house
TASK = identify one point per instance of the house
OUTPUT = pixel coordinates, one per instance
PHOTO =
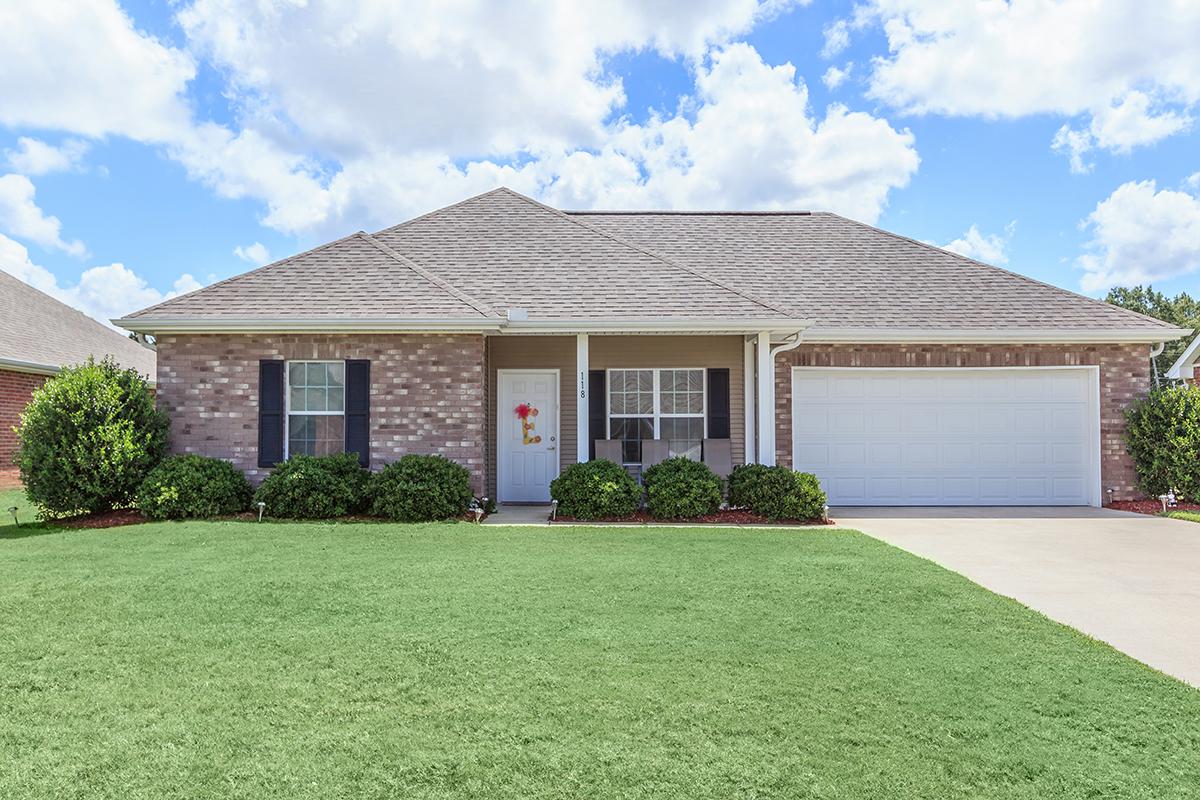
(1185, 368)
(510, 336)
(39, 336)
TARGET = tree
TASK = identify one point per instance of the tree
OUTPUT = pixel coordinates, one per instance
(87, 439)
(1182, 311)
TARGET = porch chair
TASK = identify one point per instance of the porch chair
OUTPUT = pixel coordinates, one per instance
(609, 450)
(718, 455)
(654, 451)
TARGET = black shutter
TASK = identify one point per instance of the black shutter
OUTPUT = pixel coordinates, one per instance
(270, 413)
(358, 410)
(718, 404)
(597, 424)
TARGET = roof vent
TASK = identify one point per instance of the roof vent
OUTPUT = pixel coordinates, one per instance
(518, 315)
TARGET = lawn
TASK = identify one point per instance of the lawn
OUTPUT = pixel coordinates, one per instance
(1190, 516)
(229, 659)
(26, 511)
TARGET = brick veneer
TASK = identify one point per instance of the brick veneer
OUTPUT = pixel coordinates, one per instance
(15, 390)
(1124, 375)
(427, 393)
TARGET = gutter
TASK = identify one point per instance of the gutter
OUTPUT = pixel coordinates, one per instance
(995, 335)
(32, 368)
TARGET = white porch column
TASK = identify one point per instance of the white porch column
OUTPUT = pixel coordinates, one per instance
(766, 400)
(582, 441)
(748, 400)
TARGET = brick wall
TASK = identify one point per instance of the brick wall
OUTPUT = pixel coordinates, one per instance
(1124, 375)
(15, 390)
(427, 393)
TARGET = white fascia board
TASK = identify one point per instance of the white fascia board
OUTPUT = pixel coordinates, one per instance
(658, 325)
(15, 365)
(994, 336)
(315, 325)
(1186, 361)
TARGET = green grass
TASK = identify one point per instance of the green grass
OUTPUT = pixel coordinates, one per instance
(230, 659)
(1190, 516)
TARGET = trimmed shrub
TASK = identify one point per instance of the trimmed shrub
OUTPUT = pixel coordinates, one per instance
(1163, 437)
(679, 488)
(88, 438)
(315, 487)
(193, 486)
(421, 489)
(776, 492)
(597, 489)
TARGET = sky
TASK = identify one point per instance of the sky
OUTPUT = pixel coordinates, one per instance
(149, 148)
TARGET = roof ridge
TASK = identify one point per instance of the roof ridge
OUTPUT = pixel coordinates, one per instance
(239, 276)
(427, 214)
(1043, 284)
(663, 212)
(454, 291)
(626, 243)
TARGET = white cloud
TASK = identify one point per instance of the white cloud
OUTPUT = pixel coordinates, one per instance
(349, 114)
(257, 253)
(752, 143)
(1131, 70)
(837, 38)
(104, 292)
(1192, 180)
(988, 248)
(35, 157)
(835, 77)
(1075, 145)
(1140, 235)
(21, 217)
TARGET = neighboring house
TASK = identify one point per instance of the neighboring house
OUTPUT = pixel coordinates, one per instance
(897, 372)
(1185, 369)
(38, 336)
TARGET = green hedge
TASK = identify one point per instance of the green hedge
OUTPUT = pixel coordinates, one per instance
(679, 488)
(420, 488)
(315, 487)
(598, 489)
(193, 486)
(1163, 437)
(776, 492)
(88, 438)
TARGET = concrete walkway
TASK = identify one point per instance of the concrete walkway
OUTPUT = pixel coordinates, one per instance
(1127, 579)
(509, 514)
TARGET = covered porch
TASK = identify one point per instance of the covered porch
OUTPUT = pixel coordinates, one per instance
(556, 399)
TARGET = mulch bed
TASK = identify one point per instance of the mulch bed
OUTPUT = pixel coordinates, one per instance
(108, 519)
(725, 517)
(1151, 506)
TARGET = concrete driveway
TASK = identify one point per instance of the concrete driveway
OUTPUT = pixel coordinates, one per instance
(1127, 579)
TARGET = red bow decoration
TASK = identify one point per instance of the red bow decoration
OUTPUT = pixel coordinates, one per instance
(523, 410)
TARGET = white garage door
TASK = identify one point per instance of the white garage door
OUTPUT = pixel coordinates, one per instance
(999, 436)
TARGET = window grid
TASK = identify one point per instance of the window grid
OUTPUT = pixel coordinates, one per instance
(316, 403)
(687, 383)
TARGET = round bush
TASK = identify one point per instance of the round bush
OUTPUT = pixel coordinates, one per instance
(88, 438)
(421, 489)
(1163, 437)
(679, 488)
(315, 487)
(193, 486)
(776, 492)
(597, 489)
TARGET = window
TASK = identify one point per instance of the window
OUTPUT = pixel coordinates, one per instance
(656, 404)
(316, 400)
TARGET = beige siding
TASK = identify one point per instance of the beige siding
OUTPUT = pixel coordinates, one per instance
(533, 352)
(643, 352)
(610, 352)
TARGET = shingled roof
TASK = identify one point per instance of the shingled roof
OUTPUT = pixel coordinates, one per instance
(500, 256)
(40, 334)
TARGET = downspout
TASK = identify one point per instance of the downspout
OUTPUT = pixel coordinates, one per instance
(767, 422)
(1155, 352)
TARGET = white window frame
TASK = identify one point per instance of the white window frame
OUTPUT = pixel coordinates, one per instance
(657, 414)
(287, 399)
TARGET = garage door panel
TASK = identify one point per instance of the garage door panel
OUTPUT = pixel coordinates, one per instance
(948, 437)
